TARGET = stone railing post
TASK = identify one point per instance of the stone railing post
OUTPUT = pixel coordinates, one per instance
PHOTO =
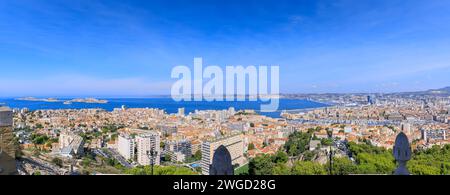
(402, 153)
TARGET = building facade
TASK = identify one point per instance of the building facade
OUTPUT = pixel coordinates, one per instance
(126, 146)
(179, 149)
(233, 143)
(435, 134)
(145, 143)
(180, 111)
(70, 144)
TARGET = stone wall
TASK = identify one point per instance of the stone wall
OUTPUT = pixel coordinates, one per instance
(7, 148)
(6, 118)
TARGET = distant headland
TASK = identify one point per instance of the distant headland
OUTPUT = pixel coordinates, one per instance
(79, 100)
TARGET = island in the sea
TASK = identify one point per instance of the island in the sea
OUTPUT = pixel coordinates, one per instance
(87, 100)
(79, 100)
(39, 99)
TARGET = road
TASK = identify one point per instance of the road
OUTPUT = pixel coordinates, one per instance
(118, 157)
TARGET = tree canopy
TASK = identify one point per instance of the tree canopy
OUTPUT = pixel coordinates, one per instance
(363, 158)
(297, 143)
(160, 170)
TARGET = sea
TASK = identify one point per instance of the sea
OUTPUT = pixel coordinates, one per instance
(167, 104)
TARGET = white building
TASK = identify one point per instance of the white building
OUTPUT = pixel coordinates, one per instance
(178, 157)
(126, 146)
(178, 146)
(180, 111)
(70, 144)
(145, 143)
(348, 129)
(406, 128)
(314, 144)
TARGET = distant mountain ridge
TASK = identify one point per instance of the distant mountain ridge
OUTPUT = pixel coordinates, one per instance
(445, 90)
(441, 91)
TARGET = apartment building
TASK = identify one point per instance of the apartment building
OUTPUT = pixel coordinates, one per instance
(126, 146)
(233, 143)
(70, 144)
(145, 144)
(179, 149)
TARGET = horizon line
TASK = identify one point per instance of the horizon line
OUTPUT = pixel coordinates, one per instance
(168, 95)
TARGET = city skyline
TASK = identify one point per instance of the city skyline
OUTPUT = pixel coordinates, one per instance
(118, 49)
(62, 98)
(259, 89)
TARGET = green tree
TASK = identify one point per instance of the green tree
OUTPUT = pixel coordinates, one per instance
(423, 169)
(308, 168)
(38, 139)
(57, 161)
(309, 155)
(371, 159)
(251, 146)
(86, 162)
(326, 142)
(160, 170)
(281, 169)
(198, 155)
(343, 166)
(111, 162)
(383, 163)
(280, 157)
(261, 165)
(18, 151)
(167, 157)
(297, 143)
(432, 161)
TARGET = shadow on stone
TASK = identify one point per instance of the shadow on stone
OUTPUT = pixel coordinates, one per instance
(7, 165)
(402, 153)
(7, 148)
(221, 163)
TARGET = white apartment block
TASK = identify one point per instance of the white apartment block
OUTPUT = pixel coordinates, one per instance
(126, 146)
(178, 150)
(145, 143)
(70, 144)
(233, 143)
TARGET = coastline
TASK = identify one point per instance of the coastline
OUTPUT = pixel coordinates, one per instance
(166, 104)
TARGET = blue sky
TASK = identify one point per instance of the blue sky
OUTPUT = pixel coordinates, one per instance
(128, 48)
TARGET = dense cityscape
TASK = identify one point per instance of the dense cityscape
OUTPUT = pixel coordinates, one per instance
(355, 134)
(213, 96)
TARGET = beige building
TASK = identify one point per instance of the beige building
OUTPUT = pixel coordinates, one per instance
(7, 148)
(233, 143)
